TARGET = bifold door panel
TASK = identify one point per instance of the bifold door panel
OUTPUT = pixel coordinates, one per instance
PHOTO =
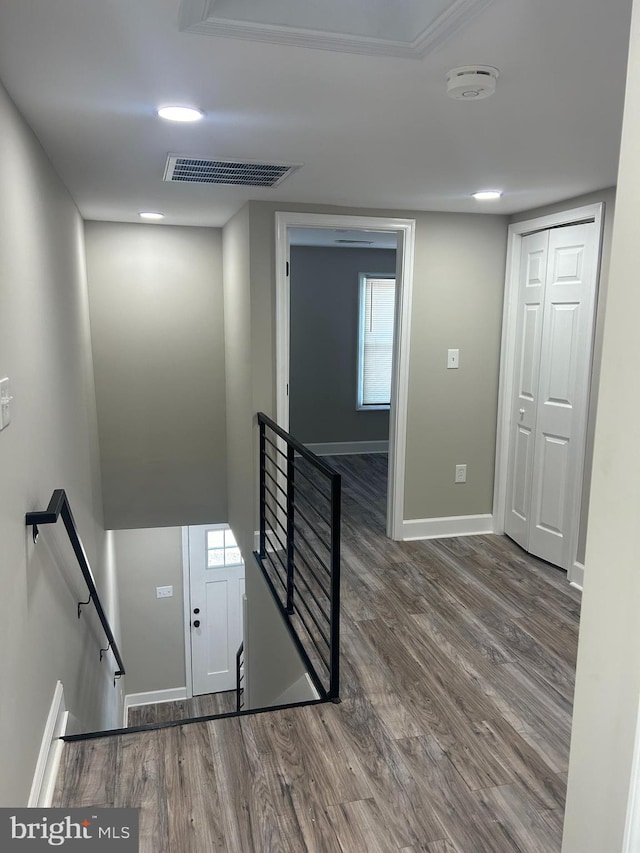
(556, 307)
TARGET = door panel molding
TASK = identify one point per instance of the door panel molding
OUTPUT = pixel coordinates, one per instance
(565, 276)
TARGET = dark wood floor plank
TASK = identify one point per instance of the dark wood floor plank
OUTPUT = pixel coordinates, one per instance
(308, 829)
(88, 773)
(182, 709)
(532, 829)
(140, 782)
(450, 798)
(445, 706)
(408, 815)
(396, 718)
(360, 826)
(249, 819)
(193, 804)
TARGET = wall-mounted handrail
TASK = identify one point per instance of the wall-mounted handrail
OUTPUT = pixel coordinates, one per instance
(59, 506)
(299, 550)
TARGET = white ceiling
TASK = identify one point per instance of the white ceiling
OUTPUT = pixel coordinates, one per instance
(370, 131)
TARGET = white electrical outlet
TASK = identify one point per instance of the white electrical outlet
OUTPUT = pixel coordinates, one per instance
(461, 474)
(164, 591)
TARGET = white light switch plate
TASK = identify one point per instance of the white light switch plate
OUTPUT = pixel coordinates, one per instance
(164, 591)
(453, 358)
(5, 404)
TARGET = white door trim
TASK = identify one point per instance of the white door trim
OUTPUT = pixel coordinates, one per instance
(186, 597)
(400, 380)
(594, 213)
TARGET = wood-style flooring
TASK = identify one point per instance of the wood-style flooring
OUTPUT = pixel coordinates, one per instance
(452, 737)
(183, 709)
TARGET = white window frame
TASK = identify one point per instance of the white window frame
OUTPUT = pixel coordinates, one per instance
(363, 278)
(223, 527)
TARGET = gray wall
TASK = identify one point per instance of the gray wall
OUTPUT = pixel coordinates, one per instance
(457, 302)
(272, 662)
(152, 628)
(52, 443)
(158, 346)
(608, 197)
(239, 409)
(324, 344)
(602, 773)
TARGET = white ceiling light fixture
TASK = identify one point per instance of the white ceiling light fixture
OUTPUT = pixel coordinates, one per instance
(178, 113)
(150, 214)
(472, 82)
(487, 195)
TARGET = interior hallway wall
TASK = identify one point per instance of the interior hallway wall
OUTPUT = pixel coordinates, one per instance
(271, 660)
(152, 628)
(323, 375)
(45, 350)
(457, 303)
(158, 345)
(604, 779)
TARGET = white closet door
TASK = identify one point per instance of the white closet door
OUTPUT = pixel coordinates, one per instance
(565, 369)
(524, 403)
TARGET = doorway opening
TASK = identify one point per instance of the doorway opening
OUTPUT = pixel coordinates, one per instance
(342, 384)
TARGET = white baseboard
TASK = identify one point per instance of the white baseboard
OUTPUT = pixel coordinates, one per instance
(576, 575)
(48, 764)
(348, 448)
(153, 697)
(447, 526)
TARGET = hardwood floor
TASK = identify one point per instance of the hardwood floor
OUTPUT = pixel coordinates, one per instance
(452, 737)
(183, 709)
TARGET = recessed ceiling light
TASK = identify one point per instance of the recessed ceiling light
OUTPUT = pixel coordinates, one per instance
(180, 113)
(150, 214)
(487, 195)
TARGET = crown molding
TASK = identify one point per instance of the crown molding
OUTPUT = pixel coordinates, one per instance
(198, 16)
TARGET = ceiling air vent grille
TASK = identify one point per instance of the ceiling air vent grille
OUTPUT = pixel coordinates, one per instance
(230, 172)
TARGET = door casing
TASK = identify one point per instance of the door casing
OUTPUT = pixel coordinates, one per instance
(405, 229)
(589, 213)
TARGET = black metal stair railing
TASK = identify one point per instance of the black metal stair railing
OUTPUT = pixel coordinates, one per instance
(59, 507)
(240, 678)
(299, 549)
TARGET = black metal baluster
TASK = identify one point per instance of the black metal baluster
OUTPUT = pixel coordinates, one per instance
(290, 528)
(263, 464)
(334, 678)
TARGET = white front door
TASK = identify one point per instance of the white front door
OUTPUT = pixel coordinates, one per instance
(556, 307)
(216, 588)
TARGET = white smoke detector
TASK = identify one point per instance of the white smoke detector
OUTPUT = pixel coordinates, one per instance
(472, 82)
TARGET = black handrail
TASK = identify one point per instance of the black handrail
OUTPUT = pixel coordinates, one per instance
(292, 568)
(59, 506)
(239, 678)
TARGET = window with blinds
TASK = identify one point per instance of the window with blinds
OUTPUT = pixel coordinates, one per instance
(375, 341)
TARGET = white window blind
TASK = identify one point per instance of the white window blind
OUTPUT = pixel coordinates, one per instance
(375, 346)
